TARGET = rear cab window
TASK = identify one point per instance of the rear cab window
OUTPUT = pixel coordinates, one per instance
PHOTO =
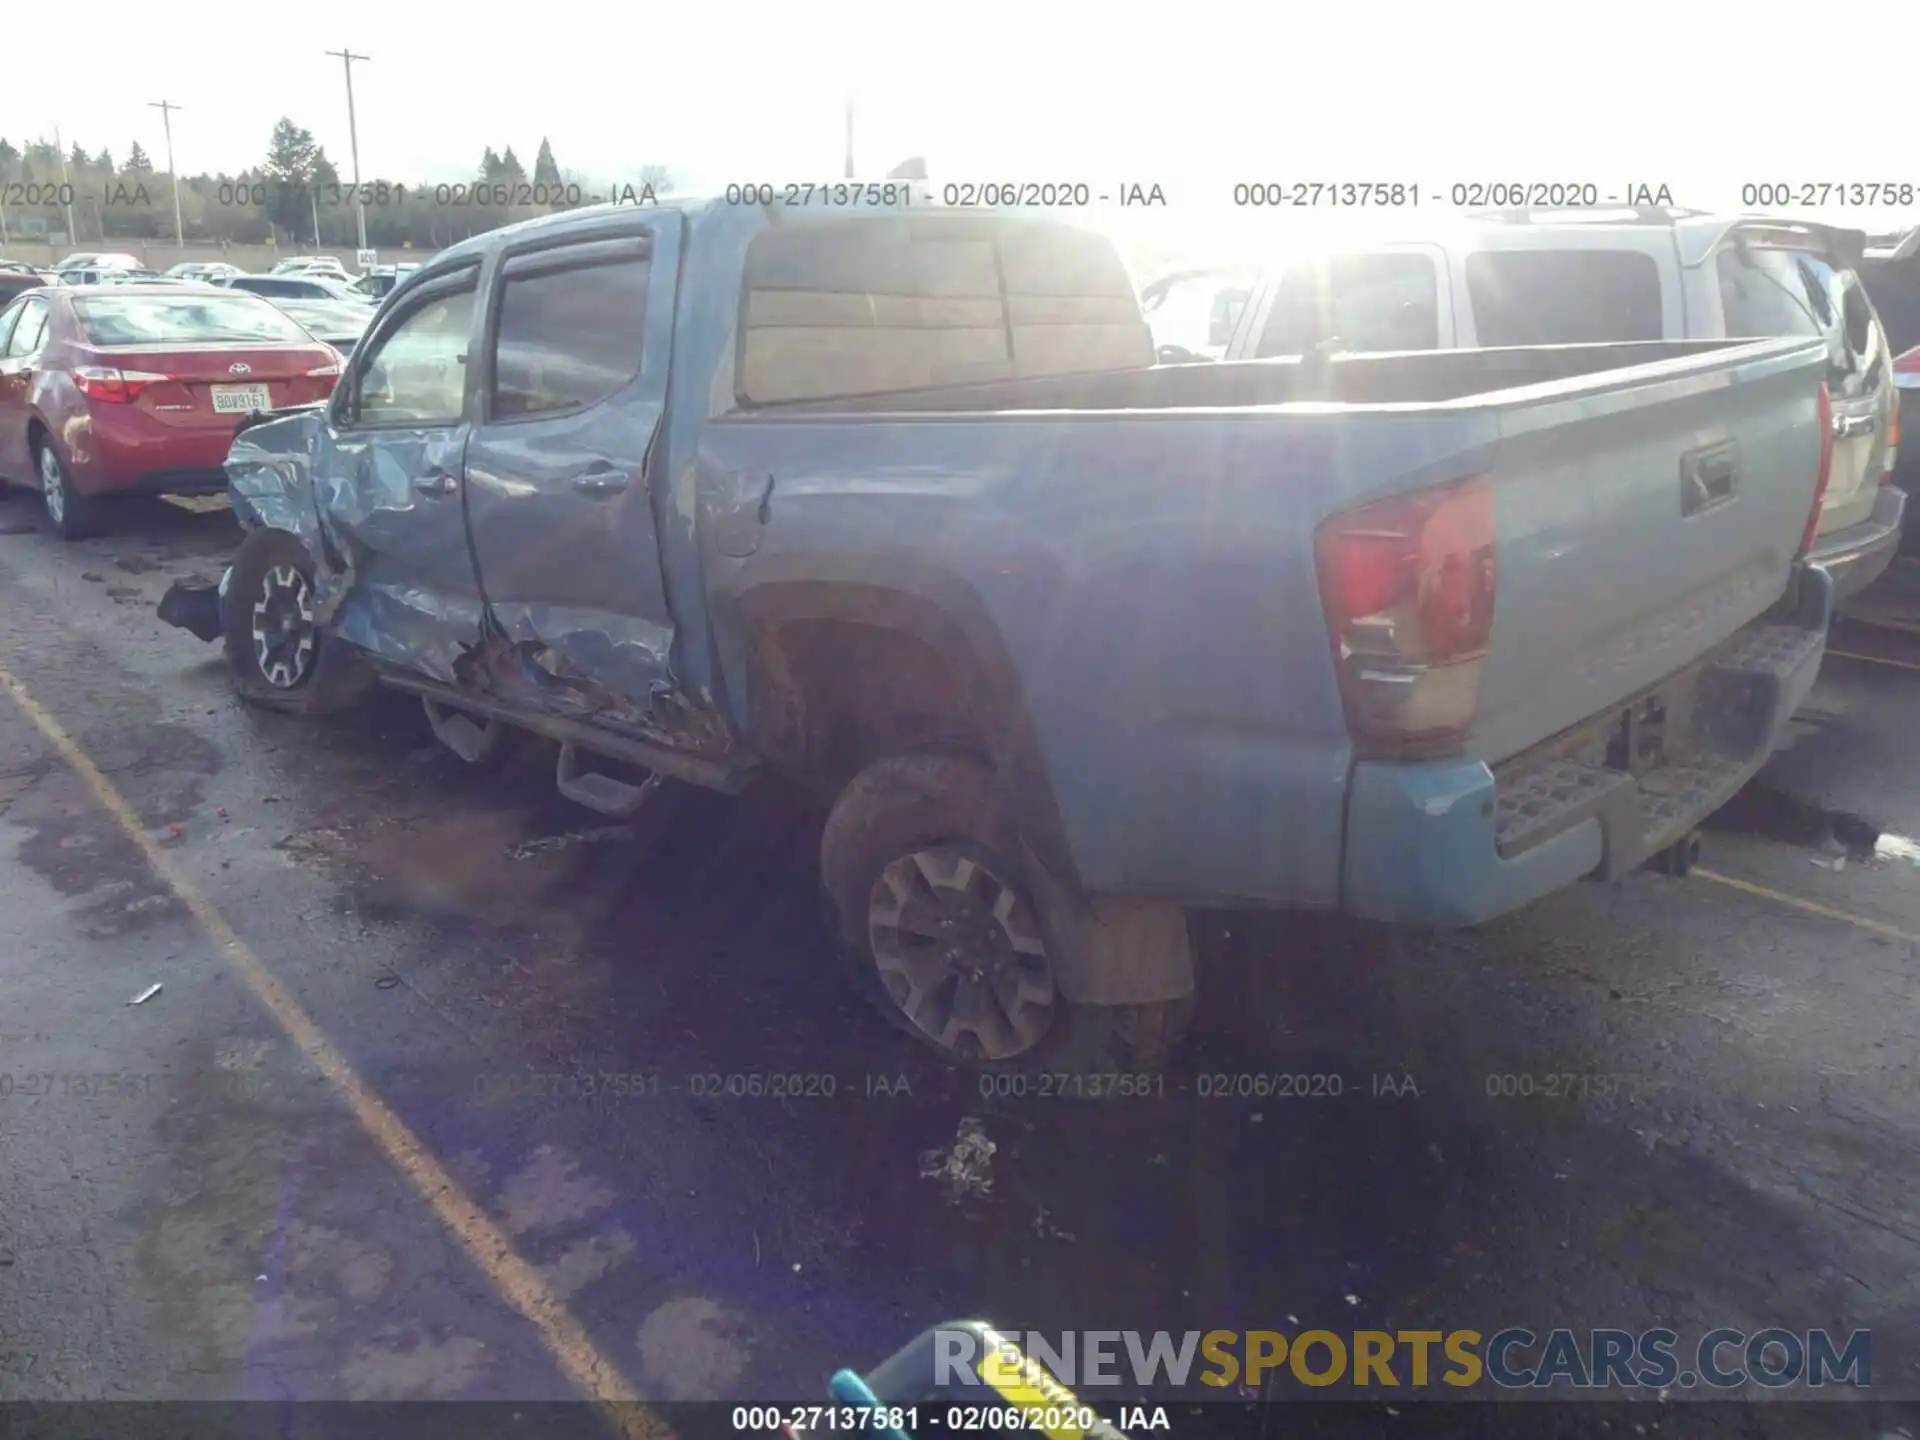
(186, 320)
(846, 308)
(1365, 303)
(1563, 297)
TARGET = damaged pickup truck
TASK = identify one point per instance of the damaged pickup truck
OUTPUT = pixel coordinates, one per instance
(897, 502)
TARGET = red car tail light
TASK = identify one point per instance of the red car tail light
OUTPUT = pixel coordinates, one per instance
(120, 387)
(1407, 586)
(1826, 470)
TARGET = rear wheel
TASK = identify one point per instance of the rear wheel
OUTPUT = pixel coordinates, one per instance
(70, 515)
(947, 934)
(269, 627)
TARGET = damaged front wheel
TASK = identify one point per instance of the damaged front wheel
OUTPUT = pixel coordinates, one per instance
(275, 648)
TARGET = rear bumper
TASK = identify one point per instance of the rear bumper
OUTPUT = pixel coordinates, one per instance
(134, 454)
(1459, 842)
(1857, 556)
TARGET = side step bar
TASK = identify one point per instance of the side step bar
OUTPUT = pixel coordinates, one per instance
(599, 792)
(695, 770)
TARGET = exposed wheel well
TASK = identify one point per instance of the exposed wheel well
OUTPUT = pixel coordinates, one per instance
(850, 692)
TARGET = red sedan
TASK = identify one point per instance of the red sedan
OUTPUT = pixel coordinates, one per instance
(125, 390)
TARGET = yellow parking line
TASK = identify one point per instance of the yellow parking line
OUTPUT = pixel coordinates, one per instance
(1811, 907)
(519, 1283)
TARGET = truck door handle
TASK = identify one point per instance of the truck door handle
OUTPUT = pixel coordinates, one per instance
(601, 481)
(435, 483)
(1845, 427)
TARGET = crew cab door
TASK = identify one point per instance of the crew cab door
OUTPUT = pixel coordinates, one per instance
(387, 473)
(563, 461)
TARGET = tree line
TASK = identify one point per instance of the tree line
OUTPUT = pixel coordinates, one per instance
(295, 196)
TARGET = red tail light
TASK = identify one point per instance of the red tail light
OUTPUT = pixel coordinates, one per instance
(1826, 469)
(1407, 585)
(119, 387)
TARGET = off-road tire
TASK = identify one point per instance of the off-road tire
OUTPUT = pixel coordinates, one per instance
(899, 805)
(330, 680)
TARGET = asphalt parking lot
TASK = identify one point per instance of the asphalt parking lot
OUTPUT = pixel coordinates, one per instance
(321, 1172)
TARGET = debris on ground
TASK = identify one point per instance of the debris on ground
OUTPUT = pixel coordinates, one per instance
(135, 564)
(171, 835)
(1044, 1227)
(92, 575)
(599, 835)
(965, 1168)
(17, 527)
(146, 994)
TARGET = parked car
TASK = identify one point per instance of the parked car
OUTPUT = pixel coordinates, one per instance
(202, 270)
(899, 504)
(112, 391)
(340, 323)
(17, 280)
(309, 265)
(379, 280)
(1891, 270)
(293, 287)
(91, 260)
(1521, 279)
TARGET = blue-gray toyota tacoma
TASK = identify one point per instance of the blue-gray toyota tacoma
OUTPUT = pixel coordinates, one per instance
(895, 499)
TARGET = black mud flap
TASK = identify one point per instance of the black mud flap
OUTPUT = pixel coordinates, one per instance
(194, 607)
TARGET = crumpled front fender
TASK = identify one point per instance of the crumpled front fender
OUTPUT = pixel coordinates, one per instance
(270, 482)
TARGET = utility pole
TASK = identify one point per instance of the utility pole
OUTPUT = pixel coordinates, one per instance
(347, 57)
(849, 135)
(166, 109)
(66, 188)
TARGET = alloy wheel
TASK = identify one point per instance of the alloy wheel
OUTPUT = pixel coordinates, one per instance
(53, 485)
(959, 951)
(283, 627)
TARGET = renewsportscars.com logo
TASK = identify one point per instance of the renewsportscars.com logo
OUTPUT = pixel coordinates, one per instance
(1514, 1358)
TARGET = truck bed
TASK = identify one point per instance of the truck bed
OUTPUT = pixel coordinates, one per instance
(1144, 541)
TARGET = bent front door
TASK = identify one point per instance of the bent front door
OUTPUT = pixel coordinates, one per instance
(387, 478)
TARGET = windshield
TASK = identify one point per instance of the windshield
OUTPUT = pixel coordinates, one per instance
(186, 320)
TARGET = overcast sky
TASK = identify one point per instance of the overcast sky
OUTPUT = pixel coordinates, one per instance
(1192, 97)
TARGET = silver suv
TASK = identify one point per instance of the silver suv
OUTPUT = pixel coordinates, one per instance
(1563, 278)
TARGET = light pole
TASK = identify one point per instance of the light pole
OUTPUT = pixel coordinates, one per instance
(849, 135)
(66, 186)
(166, 109)
(347, 57)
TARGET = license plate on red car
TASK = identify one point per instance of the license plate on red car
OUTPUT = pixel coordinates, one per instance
(240, 399)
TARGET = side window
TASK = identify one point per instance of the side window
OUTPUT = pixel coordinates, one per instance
(1563, 297)
(1762, 294)
(29, 332)
(415, 373)
(7, 317)
(568, 338)
(1369, 303)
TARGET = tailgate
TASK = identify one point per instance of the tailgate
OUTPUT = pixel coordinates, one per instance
(1641, 522)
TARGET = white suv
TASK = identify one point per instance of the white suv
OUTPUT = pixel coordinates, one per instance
(1529, 278)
